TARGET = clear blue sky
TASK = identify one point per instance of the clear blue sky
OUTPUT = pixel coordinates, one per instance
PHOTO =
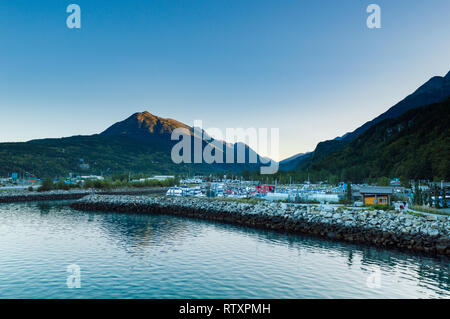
(311, 68)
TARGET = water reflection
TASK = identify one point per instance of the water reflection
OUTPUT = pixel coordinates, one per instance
(44, 207)
(163, 256)
(139, 230)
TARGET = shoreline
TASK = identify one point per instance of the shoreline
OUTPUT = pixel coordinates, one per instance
(27, 196)
(389, 229)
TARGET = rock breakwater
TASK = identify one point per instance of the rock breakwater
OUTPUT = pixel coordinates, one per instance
(27, 196)
(429, 234)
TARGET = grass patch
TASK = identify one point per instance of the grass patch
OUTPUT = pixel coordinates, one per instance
(429, 210)
(379, 207)
(236, 200)
(106, 184)
(415, 214)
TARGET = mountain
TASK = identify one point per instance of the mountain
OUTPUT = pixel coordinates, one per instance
(292, 162)
(147, 127)
(414, 145)
(436, 89)
(140, 144)
(144, 126)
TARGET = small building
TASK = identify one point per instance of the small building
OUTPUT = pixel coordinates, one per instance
(395, 182)
(441, 184)
(265, 188)
(356, 194)
(161, 177)
(91, 178)
(276, 196)
(376, 195)
(323, 197)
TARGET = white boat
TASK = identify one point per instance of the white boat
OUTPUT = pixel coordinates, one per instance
(174, 191)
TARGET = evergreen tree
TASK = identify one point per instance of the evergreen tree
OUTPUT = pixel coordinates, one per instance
(416, 194)
(444, 198)
(349, 197)
(430, 199)
(419, 197)
(47, 185)
(436, 196)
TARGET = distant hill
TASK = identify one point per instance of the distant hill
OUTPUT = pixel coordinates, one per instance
(436, 89)
(292, 162)
(140, 144)
(414, 145)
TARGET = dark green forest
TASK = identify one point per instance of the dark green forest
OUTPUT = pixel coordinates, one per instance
(99, 154)
(415, 145)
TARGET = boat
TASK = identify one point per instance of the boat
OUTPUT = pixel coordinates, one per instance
(174, 191)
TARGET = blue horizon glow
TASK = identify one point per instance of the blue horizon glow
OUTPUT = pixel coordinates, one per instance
(312, 69)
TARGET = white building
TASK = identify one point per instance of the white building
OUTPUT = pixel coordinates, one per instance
(162, 177)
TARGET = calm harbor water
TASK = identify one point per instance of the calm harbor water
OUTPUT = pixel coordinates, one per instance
(144, 256)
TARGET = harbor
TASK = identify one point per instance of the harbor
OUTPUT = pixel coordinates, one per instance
(304, 193)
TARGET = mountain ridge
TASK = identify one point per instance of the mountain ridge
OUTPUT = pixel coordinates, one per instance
(414, 145)
(436, 89)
